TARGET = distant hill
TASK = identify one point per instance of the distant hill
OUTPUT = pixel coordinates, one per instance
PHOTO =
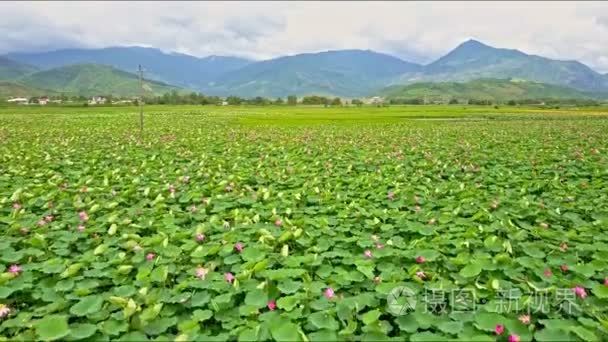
(92, 79)
(10, 69)
(344, 73)
(484, 89)
(12, 89)
(474, 60)
(173, 68)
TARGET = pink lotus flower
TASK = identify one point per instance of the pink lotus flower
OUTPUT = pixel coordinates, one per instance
(150, 256)
(278, 222)
(272, 305)
(329, 293)
(15, 269)
(16, 206)
(580, 292)
(80, 228)
(605, 281)
(171, 188)
(525, 319)
(83, 216)
(421, 275)
(192, 208)
(48, 218)
(420, 259)
(390, 195)
(379, 246)
(239, 247)
(201, 272)
(200, 237)
(499, 329)
(368, 253)
(564, 268)
(24, 230)
(548, 273)
(84, 189)
(513, 338)
(4, 310)
(41, 222)
(563, 247)
(186, 179)
(229, 277)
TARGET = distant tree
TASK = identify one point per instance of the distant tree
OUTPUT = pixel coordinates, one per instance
(234, 100)
(336, 102)
(279, 101)
(356, 102)
(511, 103)
(315, 100)
(292, 100)
(453, 101)
(258, 101)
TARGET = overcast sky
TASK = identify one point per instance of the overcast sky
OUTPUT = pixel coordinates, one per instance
(417, 32)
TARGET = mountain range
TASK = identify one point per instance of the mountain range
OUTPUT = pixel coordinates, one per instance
(345, 73)
(495, 90)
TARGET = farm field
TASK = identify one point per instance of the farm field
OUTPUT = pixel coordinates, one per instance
(420, 223)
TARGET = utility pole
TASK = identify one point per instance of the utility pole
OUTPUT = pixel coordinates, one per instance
(141, 105)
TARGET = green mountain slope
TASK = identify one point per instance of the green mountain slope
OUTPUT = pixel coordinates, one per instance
(475, 60)
(93, 79)
(343, 73)
(10, 69)
(484, 89)
(172, 68)
(12, 89)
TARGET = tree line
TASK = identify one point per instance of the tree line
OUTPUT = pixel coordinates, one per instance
(487, 102)
(177, 98)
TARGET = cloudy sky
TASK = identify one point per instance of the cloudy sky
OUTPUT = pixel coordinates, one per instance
(413, 31)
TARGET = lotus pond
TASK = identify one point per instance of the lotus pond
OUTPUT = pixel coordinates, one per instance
(255, 224)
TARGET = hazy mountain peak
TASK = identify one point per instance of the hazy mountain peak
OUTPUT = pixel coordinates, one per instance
(472, 44)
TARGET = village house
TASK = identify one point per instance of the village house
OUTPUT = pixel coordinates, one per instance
(376, 100)
(43, 101)
(18, 100)
(97, 100)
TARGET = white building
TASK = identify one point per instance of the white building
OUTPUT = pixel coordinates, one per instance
(375, 100)
(43, 101)
(96, 100)
(18, 100)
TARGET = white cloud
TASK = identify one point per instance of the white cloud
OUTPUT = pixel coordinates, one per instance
(418, 31)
